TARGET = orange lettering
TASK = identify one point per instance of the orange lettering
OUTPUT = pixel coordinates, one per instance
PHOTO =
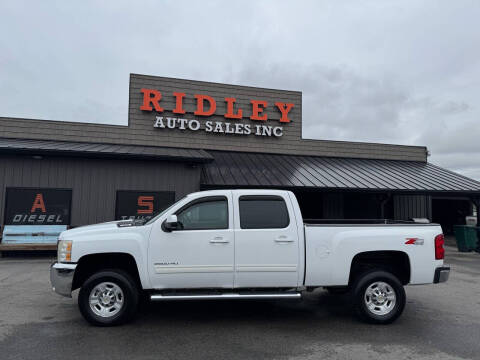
(145, 201)
(200, 109)
(257, 108)
(284, 109)
(179, 103)
(151, 97)
(38, 203)
(230, 114)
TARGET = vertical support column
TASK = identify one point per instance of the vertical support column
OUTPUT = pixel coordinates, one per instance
(383, 202)
(476, 202)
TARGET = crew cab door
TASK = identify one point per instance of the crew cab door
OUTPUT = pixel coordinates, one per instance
(266, 240)
(200, 254)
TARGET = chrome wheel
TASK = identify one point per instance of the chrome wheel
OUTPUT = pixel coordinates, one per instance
(106, 299)
(380, 298)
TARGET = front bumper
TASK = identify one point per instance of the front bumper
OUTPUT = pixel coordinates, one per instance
(441, 274)
(61, 278)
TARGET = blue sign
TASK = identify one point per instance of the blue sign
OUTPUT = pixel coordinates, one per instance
(32, 234)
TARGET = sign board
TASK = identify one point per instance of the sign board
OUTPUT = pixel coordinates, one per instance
(205, 106)
(193, 114)
(142, 205)
(39, 206)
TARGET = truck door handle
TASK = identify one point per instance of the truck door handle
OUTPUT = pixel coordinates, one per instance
(219, 240)
(283, 239)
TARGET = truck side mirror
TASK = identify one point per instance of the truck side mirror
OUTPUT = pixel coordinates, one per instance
(170, 224)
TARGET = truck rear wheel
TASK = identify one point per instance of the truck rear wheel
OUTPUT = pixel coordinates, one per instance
(379, 297)
(108, 298)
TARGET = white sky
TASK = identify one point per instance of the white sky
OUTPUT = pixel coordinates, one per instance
(402, 72)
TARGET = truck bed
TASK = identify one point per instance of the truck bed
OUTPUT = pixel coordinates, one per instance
(331, 245)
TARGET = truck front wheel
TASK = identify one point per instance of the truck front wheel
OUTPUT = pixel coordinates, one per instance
(108, 298)
(379, 297)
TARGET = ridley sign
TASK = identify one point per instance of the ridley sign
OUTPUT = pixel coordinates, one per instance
(207, 106)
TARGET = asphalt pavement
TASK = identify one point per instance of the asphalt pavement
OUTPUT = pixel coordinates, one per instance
(440, 322)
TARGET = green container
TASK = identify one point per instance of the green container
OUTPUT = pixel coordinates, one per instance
(466, 237)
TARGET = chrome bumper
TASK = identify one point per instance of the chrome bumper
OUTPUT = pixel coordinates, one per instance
(441, 274)
(61, 278)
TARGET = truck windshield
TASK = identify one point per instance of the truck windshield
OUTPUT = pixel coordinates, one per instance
(162, 212)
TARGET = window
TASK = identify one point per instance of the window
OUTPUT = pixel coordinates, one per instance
(204, 214)
(263, 212)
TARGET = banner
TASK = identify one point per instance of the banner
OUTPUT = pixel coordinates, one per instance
(26, 206)
(142, 205)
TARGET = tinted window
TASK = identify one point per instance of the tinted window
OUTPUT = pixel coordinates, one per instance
(263, 212)
(204, 214)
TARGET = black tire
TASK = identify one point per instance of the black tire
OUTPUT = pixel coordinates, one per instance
(130, 297)
(366, 280)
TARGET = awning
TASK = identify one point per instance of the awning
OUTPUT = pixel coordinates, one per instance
(231, 169)
(49, 147)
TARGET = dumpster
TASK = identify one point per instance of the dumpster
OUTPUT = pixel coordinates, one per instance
(466, 237)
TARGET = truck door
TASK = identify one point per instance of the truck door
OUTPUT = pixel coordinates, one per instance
(200, 253)
(266, 241)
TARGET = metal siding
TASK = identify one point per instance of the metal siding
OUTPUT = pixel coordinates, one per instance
(397, 209)
(333, 206)
(429, 207)
(94, 182)
(410, 206)
(271, 170)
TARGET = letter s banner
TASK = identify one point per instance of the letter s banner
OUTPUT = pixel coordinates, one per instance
(141, 205)
(145, 201)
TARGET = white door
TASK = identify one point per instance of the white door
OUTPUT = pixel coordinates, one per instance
(201, 253)
(266, 241)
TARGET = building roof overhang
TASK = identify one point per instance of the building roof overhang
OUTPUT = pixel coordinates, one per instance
(98, 150)
(233, 169)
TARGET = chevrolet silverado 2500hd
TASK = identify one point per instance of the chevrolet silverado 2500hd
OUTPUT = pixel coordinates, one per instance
(243, 244)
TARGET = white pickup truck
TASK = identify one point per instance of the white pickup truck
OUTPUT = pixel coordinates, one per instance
(243, 244)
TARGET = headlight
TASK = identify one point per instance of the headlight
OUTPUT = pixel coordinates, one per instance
(64, 253)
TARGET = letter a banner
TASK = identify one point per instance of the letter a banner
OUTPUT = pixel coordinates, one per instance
(29, 206)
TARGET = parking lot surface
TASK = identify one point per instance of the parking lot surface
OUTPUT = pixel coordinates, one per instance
(440, 322)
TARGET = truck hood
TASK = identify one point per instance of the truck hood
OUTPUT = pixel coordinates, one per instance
(106, 227)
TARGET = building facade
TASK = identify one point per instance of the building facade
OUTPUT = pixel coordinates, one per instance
(183, 136)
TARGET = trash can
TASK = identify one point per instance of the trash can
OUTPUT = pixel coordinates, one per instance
(466, 237)
(477, 248)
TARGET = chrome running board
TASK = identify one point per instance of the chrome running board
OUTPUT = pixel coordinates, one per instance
(228, 296)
